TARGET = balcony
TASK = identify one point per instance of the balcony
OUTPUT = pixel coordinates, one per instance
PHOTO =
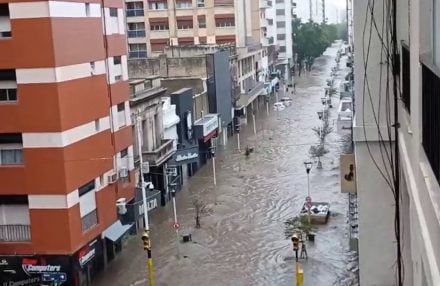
(159, 155)
(135, 12)
(15, 233)
(406, 84)
(137, 54)
(136, 34)
(431, 115)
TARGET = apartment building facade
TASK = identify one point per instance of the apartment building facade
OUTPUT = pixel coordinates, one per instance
(155, 24)
(284, 11)
(418, 39)
(66, 151)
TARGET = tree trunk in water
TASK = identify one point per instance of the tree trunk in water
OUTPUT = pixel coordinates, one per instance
(198, 221)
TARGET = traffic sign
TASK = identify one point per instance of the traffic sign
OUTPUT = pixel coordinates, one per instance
(308, 199)
(176, 225)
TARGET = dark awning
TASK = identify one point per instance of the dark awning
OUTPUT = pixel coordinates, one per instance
(116, 230)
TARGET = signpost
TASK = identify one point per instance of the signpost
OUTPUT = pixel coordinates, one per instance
(176, 225)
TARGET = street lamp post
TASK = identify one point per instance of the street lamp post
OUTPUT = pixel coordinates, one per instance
(176, 224)
(146, 235)
(213, 165)
(308, 166)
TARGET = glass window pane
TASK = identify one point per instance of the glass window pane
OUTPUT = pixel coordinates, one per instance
(12, 94)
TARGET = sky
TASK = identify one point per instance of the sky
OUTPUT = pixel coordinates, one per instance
(335, 10)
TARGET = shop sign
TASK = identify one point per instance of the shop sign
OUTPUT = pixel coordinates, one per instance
(187, 156)
(87, 253)
(151, 203)
(38, 266)
(32, 270)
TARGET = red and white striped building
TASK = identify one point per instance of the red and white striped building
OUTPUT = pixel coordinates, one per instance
(66, 139)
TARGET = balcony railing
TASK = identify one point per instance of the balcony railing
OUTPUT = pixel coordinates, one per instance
(15, 233)
(406, 84)
(159, 155)
(431, 116)
(89, 220)
(136, 34)
(135, 12)
(137, 54)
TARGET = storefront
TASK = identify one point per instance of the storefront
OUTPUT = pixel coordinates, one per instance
(37, 270)
(206, 128)
(89, 261)
(137, 208)
(115, 239)
(186, 163)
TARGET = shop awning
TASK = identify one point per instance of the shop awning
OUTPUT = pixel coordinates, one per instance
(116, 230)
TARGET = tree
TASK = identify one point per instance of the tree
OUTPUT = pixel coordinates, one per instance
(297, 224)
(200, 209)
(323, 131)
(317, 152)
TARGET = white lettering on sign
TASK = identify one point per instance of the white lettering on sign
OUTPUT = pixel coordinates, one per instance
(87, 257)
(186, 157)
(29, 268)
(30, 281)
(151, 204)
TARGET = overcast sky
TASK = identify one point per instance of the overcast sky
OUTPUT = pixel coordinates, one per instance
(335, 10)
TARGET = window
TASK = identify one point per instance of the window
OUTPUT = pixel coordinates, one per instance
(124, 153)
(92, 68)
(282, 49)
(225, 22)
(137, 51)
(136, 30)
(7, 95)
(97, 125)
(87, 206)
(117, 60)
(158, 5)
(113, 12)
(202, 21)
(159, 26)
(279, 1)
(281, 36)
(5, 21)
(88, 9)
(281, 24)
(121, 114)
(135, 9)
(184, 24)
(118, 77)
(183, 4)
(11, 149)
(280, 12)
(14, 218)
(200, 3)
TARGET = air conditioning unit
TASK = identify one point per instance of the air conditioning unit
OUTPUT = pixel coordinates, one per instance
(123, 173)
(112, 178)
(121, 204)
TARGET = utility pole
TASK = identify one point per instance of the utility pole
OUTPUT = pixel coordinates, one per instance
(323, 12)
(146, 235)
(310, 10)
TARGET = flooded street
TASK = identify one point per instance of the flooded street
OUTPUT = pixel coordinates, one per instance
(241, 240)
